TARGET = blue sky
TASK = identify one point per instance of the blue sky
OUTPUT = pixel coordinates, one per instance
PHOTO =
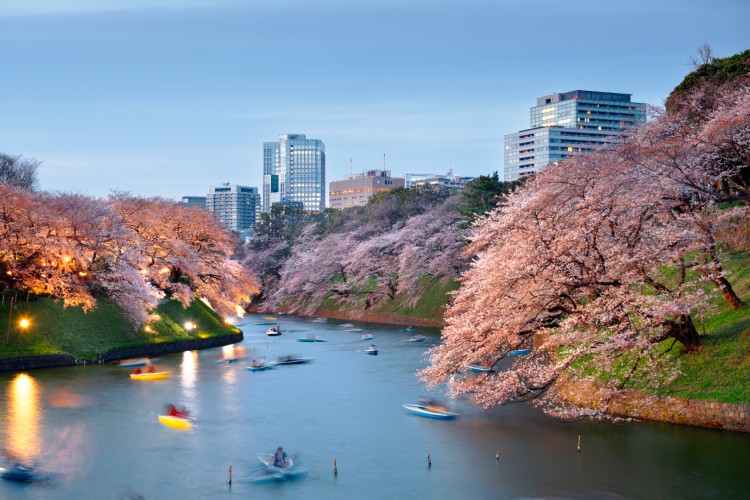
(165, 97)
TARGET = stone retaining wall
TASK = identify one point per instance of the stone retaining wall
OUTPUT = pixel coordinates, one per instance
(154, 350)
(735, 417)
(148, 350)
(30, 362)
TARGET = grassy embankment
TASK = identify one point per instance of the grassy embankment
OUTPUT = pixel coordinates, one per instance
(54, 329)
(431, 299)
(720, 369)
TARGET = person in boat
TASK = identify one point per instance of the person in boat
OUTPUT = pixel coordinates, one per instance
(137, 371)
(279, 458)
(150, 369)
(172, 411)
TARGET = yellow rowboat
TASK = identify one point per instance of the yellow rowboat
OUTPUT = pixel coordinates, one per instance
(180, 423)
(270, 318)
(150, 375)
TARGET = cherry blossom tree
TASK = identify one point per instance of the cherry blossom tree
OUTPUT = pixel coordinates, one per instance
(132, 250)
(587, 266)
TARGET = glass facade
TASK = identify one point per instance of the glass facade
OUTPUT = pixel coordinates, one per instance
(294, 170)
(566, 124)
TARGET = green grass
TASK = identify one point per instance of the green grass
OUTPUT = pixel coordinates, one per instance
(720, 369)
(54, 329)
(433, 297)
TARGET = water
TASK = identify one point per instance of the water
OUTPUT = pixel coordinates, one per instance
(97, 432)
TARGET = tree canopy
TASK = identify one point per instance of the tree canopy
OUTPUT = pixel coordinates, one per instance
(597, 264)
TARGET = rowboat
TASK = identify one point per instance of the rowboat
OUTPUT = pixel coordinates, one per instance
(519, 352)
(320, 320)
(476, 367)
(133, 363)
(367, 336)
(312, 338)
(19, 473)
(430, 411)
(259, 368)
(410, 329)
(292, 359)
(417, 338)
(354, 330)
(181, 423)
(267, 459)
(372, 350)
(346, 325)
(269, 473)
(270, 318)
(150, 375)
(274, 331)
(230, 359)
(260, 364)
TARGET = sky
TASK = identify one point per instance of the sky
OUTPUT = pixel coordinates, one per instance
(169, 97)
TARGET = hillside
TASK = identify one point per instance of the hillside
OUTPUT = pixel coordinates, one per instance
(54, 329)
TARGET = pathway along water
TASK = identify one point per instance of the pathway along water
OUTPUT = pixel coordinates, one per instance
(98, 432)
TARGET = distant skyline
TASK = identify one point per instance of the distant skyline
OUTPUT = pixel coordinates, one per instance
(166, 97)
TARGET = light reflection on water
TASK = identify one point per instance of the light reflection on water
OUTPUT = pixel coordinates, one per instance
(24, 414)
(100, 432)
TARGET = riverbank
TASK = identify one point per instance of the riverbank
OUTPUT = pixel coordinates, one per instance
(58, 336)
(149, 350)
(633, 404)
(357, 315)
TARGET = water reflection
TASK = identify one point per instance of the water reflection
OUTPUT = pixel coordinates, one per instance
(189, 374)
(24, 415)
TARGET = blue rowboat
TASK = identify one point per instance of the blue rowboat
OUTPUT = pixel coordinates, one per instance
(477, 368)
(312, 338)
(292, 359)
(133, 363)
(519, 352)
(430, 411)
(417, 338)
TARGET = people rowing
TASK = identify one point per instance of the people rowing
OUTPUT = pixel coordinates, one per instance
(172, 411)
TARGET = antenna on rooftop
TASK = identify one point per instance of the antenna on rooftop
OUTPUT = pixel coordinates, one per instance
(383, 161)
(350, 167)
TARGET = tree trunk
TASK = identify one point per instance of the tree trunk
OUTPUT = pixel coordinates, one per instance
(684, 330)
(720, 281)
(728, 291)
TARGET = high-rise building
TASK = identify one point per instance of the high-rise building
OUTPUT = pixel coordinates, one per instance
(294, 170)
(194, 202)
(237, 207)
(567, 124)
(449, 180)
(356, 189)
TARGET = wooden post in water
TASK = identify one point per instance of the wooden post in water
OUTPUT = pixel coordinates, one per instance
(579, 443)
(230, 476)
(497, 455)
(335, 468)
(429, 461)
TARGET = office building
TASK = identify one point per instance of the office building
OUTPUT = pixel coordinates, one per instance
(294, 170)
(356, 189)
(567, 124)
(449, 180)
(194, 202)
(237, 207)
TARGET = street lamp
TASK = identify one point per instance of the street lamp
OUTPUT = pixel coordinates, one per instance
(189, 325)
(24, 323)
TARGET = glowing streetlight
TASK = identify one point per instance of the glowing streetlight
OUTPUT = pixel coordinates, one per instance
(24, 323)
(189, 325)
